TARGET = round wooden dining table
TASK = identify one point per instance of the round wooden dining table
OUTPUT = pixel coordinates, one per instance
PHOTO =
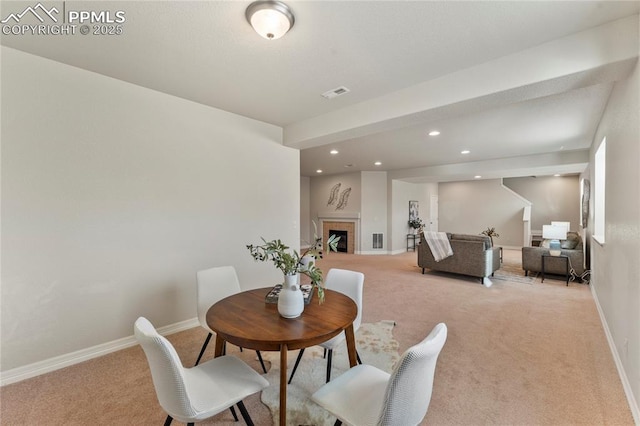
(246, 320)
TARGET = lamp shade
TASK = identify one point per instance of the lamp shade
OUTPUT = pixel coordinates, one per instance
(270, 19)
(551, 232)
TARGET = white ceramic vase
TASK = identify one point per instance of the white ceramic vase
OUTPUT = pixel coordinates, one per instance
(290, 300)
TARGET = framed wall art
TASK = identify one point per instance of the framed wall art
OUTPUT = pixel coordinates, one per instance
(413, 210)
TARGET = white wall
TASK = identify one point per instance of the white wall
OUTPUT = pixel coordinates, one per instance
(401, 193)
(470, 207)
(553, 198)
(616, 270)
(321, 187)
(113, 196)
(373, 217)
(306, 227)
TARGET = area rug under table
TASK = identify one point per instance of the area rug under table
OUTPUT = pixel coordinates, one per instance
(376, 346)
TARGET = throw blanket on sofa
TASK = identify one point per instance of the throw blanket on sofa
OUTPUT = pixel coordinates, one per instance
(439, 245)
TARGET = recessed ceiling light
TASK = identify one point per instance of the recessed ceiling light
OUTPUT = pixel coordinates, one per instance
(477, 177)
(333, 151)
(319, 171)
(348, 165)
(377, 163)
(466, 151)
(434, 133)
(557, 175)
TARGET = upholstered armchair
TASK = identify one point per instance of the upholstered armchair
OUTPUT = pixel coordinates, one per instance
(571, 247)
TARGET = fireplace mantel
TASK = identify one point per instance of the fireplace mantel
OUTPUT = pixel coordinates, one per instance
(339, 215)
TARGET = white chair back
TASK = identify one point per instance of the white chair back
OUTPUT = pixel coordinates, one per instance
(166, 370)
(409, 389)
(350, 283)
(215, 284)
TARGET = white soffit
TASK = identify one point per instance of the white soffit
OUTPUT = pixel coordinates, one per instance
(601, 54)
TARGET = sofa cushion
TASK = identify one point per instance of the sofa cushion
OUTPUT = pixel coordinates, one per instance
(573, 242)
(466, 237)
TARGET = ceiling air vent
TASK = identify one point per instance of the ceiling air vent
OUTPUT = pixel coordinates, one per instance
(335, 92)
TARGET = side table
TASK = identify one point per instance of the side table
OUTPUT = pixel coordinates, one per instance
(566, 265)
(411, 237)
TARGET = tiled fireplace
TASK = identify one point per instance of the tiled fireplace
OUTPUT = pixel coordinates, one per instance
(347, 227)
(343, 222)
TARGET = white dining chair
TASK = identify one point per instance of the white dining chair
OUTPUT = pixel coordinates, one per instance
(215, 284)
(197, 393)
(350, 283)
(366, 395)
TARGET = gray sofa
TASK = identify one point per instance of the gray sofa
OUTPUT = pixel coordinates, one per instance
(472, 255)
(571, 247)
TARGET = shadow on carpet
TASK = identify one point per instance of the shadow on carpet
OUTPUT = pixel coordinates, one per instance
(376, 346)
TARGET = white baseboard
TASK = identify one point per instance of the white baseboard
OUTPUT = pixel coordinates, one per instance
(41, 367)
(633, 404)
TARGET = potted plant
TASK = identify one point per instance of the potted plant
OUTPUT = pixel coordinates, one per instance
(291, 263)
(490, 232)
(415, 224)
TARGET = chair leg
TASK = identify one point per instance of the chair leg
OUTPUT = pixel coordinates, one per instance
(358, 356)
(245, 414)
(337, 423)
(295, 366)
(233, 412)
(168, 421)
(206, 342)
(329, 356)
(261, 362)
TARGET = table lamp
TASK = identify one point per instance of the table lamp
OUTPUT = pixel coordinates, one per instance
(555, 234)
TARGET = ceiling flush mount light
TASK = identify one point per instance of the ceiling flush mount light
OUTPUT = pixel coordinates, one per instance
(319, 171)
(477, 177)
(377, 163)
(333, 152)
(466, 151)
(271, 19)
(434, 133)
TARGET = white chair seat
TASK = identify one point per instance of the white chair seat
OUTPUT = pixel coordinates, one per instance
(350, 283)
(355, 397)
(215, 284)
(197, 393)
(218, 384)
(365, 395)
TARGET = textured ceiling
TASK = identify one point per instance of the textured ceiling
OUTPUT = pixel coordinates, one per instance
(205, 51)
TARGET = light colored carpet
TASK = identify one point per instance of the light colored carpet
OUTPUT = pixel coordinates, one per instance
(515, 355)
(376, 347)
(511, 271)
